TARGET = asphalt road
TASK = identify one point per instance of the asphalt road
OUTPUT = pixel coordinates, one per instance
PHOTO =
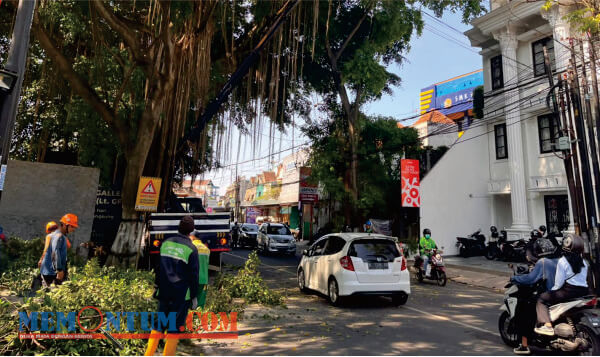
(453, 320)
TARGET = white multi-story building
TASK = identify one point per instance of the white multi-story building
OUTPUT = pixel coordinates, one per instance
(503, 170)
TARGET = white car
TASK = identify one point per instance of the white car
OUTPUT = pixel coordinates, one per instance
(345, 264)
(275, 238)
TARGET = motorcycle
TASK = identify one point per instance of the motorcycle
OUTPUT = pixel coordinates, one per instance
(473, 244)
(493, 247)
(576, 322)
(513, 250)
(438, 270)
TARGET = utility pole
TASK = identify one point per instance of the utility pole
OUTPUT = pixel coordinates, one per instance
(582, 141)
(574, 157)
(237, 195)
(597, 110)
(591, 138)
(566, 160)
(19, 44)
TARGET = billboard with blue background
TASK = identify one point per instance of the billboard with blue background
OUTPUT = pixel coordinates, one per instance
(451, 96)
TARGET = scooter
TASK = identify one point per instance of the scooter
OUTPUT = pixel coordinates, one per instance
(576, 322)
(513, 250)
(438, 270)
(493, 248)
(473, 244)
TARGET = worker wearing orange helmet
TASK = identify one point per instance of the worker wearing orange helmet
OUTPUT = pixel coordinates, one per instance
(54, 262)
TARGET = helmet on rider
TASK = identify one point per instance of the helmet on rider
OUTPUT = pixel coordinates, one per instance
(535, 234)
(427, 233)
(543, 229)
(573, 243)
(493, 229)
(51, 227)
(543, 247)
(69, 219)
(368, 223)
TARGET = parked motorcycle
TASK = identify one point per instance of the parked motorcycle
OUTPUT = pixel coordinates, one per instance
(438, 270)
(471, 245)
(493, 247)
(576, 322)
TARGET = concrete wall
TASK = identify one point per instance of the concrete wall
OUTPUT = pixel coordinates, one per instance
(35, 193)
(454, 197)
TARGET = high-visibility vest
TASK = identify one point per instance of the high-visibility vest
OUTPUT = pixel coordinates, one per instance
(203, 255)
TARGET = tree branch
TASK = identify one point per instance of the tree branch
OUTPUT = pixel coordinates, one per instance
(78, 84)
(352, 33)
(123, 29)
(122, 89)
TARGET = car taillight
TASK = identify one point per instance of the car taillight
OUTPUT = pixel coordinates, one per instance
(592, 303)
(223, 241)
(346, 263)
(403, 266)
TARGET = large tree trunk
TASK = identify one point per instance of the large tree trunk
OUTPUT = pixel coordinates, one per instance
(127, 242)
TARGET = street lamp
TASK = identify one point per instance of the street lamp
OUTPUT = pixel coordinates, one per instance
(7, 80)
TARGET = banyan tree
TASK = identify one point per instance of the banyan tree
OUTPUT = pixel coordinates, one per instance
(147, 69)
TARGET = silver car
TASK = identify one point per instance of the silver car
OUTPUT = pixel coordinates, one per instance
(276, 238)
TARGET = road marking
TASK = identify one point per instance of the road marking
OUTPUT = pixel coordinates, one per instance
(444, 318)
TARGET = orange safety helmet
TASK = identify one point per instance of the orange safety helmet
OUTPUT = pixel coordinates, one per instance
(51, 226)
(69, 219)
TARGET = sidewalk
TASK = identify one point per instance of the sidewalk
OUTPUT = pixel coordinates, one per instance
(478, 271)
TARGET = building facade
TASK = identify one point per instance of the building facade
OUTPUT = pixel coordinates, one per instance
(503, 171)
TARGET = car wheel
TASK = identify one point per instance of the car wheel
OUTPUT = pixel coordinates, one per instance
(399, 299)
(507, 328)
(302, 281)
(333, 292)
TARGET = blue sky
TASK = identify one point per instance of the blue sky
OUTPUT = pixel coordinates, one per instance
(431, 59)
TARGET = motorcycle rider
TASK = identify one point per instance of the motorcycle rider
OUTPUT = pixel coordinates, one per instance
(544, 269)
(529, 247)
(426, 245)
(368, 227)
(570, 282)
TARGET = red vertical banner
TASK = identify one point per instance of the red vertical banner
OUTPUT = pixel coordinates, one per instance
(411, 194)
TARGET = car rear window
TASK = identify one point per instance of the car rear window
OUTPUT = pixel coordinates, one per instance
(372, 249)
(279, 230)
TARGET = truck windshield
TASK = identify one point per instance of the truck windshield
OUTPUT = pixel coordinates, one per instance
(279, 230)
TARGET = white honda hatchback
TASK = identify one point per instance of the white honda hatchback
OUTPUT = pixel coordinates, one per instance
(344, 264)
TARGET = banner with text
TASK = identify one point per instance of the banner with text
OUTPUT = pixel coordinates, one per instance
(308, 192)
(411, 195)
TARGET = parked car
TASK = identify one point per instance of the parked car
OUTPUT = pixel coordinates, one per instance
(276, 238)
(344, 264)
(247, 235)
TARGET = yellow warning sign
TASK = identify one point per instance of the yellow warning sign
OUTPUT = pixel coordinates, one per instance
(147, 194)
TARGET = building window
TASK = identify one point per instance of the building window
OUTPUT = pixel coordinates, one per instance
(497, 75)
(500, 133)
(539, 67)
(548, 130)
(557, 213)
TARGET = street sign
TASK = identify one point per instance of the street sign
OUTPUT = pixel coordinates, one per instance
(148, 194)
(411, 195)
